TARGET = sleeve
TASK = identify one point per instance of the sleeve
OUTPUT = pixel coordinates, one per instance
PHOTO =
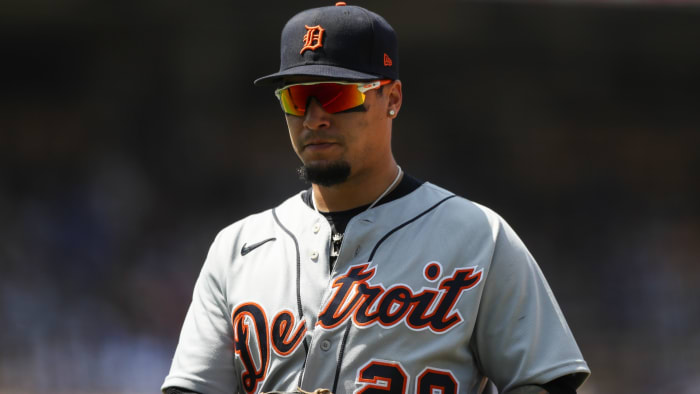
(204, 358)
(521, 336)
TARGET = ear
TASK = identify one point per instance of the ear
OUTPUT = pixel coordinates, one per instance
(394, 98)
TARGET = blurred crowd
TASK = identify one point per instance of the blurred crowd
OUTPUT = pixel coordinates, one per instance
(130, 134)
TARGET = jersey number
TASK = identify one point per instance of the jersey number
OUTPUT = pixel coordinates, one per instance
(433, 381)
(381, 377)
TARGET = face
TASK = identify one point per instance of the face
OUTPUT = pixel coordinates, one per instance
(347, 144)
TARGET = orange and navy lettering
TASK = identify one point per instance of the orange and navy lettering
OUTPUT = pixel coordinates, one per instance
(354, 297)
(242, 318)
(373, 304)
(434, 380)
(283, 341)
(390, 377)
(381, 376)
(284, 336)
(432, 271)
(313, 39)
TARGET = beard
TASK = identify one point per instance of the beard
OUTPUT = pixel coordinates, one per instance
(325, 175)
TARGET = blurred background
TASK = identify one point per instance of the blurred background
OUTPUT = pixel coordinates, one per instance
(131, 133)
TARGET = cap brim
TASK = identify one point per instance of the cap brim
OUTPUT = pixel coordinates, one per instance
(315, 70)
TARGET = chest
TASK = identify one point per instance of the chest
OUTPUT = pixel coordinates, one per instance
(297, 320)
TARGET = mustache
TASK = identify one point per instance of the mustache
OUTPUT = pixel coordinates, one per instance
(312, 136)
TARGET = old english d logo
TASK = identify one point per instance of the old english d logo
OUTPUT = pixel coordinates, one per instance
(313, 38)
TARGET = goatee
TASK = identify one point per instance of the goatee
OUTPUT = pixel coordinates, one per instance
(325, 175)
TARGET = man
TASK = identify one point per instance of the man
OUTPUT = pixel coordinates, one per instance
(370, 281)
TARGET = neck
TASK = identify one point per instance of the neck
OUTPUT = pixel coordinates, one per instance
(357, 191)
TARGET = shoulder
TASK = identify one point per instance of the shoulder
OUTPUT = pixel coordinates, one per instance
(258, 228)
(460, 211)
(473, 225)
(259, 224)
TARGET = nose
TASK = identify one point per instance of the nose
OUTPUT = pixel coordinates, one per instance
(316, 117)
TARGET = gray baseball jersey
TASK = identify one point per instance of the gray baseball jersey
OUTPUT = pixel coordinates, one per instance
(429, 293)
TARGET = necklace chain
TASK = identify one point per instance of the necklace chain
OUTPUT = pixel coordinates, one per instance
(337, 238)
(386, 191)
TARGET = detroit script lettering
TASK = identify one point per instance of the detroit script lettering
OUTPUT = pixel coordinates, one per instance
(353, 297)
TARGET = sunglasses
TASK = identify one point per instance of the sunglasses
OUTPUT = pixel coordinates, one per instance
(333, 96)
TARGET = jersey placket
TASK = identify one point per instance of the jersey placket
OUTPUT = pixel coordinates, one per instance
(326, 344)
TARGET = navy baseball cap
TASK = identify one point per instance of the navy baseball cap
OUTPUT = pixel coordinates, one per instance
(340, 42)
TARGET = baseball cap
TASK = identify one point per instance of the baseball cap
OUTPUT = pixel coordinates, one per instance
(340, 42)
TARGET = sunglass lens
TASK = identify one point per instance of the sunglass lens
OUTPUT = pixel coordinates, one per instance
(291, 102)
(333, 97)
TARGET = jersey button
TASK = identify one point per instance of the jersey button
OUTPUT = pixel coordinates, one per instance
(314, 255)
(325, 345)
(317, 227)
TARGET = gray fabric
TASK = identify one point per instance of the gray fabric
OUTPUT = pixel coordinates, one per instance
(504, 328)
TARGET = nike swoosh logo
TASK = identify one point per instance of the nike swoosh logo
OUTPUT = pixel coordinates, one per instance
(247, 249)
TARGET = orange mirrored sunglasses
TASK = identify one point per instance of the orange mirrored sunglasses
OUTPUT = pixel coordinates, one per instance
(333, 96)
